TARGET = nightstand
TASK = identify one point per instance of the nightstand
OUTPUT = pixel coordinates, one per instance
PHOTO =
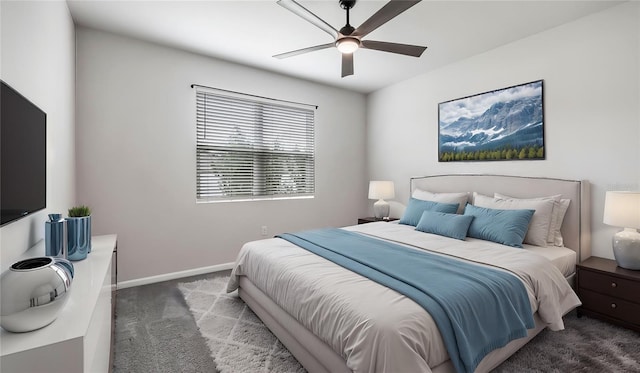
(609, 292)
(371, 219)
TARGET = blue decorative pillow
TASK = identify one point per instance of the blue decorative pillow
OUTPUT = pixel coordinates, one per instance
(416, 207)
(507, 227)
(449, 225)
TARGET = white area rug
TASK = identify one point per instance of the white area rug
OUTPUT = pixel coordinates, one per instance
(238, 340)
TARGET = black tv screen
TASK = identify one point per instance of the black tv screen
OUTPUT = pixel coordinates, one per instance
(23, 156)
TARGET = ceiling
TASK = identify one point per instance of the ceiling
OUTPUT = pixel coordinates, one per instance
(251, 32)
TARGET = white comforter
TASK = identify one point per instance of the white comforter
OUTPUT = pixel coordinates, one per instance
(375, 328)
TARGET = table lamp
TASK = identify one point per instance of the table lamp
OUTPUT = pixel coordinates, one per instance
(622, 209)
(380, 190)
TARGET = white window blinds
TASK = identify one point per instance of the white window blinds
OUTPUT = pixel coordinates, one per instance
(252, 148)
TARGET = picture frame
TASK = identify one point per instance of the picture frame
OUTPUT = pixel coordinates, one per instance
(503, 124)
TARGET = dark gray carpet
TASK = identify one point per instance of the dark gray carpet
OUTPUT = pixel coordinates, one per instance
(586, 345)
(155, 332)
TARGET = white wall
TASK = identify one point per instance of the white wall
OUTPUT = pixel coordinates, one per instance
(136, 155)
(591, 78)
(38, 60)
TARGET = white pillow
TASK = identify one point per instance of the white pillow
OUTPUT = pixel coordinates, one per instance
(460, 198)
(540, 221)
(481, 198)
(559, 211)
(560, 206)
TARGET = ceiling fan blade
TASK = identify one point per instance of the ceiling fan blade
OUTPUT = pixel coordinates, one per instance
(406, 49)
(304, 50)
(304, 13)
(347, 64)
(384, 15)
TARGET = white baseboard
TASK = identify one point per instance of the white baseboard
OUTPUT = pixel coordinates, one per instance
(174, 275)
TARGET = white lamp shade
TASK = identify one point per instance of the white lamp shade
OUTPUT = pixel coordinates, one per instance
(381, 190)
(622, 209)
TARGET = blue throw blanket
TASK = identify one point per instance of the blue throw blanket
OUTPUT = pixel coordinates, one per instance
(477, 309)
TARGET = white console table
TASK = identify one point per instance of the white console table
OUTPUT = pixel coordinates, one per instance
(79, 340)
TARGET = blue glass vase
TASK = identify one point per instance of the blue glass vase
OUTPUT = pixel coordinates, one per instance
(78, 237)
(54, 236)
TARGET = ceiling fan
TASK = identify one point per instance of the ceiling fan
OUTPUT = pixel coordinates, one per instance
(349, 39)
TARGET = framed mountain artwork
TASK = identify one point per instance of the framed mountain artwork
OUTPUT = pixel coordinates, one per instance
(505, 124)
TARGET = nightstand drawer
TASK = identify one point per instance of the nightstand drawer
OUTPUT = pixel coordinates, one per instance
(614, 307)
(610, 285)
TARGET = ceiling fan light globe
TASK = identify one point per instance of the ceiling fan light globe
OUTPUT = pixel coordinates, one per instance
(347, 44)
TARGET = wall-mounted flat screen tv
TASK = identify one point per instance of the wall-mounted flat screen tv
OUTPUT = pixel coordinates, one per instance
(23, 156)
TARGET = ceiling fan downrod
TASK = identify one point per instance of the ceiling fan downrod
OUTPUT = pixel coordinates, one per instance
(347, 5)
(347, 44)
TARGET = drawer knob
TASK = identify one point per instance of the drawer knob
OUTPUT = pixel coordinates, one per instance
(613, 285)
(613, 305)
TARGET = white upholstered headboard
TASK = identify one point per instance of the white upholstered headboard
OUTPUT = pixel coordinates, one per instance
(576, 228)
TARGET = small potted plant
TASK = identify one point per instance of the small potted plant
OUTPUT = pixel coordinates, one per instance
(78, 232)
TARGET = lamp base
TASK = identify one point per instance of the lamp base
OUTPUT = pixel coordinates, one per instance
(626, 248)
(381, 209)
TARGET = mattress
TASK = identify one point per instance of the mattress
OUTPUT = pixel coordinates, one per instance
(561, 257)
(374, 328)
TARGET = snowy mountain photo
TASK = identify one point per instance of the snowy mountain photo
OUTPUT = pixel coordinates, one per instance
(498, 125)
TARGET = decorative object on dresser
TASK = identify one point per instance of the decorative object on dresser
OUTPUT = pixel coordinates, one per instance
(609, 292)
(54, 236)
(371, 219)
(79, 340)
(381, 190)
(79, 232)
(34, 290)
(622, 209)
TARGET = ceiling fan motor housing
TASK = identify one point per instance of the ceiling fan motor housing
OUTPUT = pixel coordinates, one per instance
(347, 4)
(347, 30)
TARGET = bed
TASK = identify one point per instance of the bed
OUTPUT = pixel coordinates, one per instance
(323, 313)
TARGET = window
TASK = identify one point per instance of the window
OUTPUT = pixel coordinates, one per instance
(252, 148)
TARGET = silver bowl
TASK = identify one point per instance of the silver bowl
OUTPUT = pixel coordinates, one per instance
(32, 292)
